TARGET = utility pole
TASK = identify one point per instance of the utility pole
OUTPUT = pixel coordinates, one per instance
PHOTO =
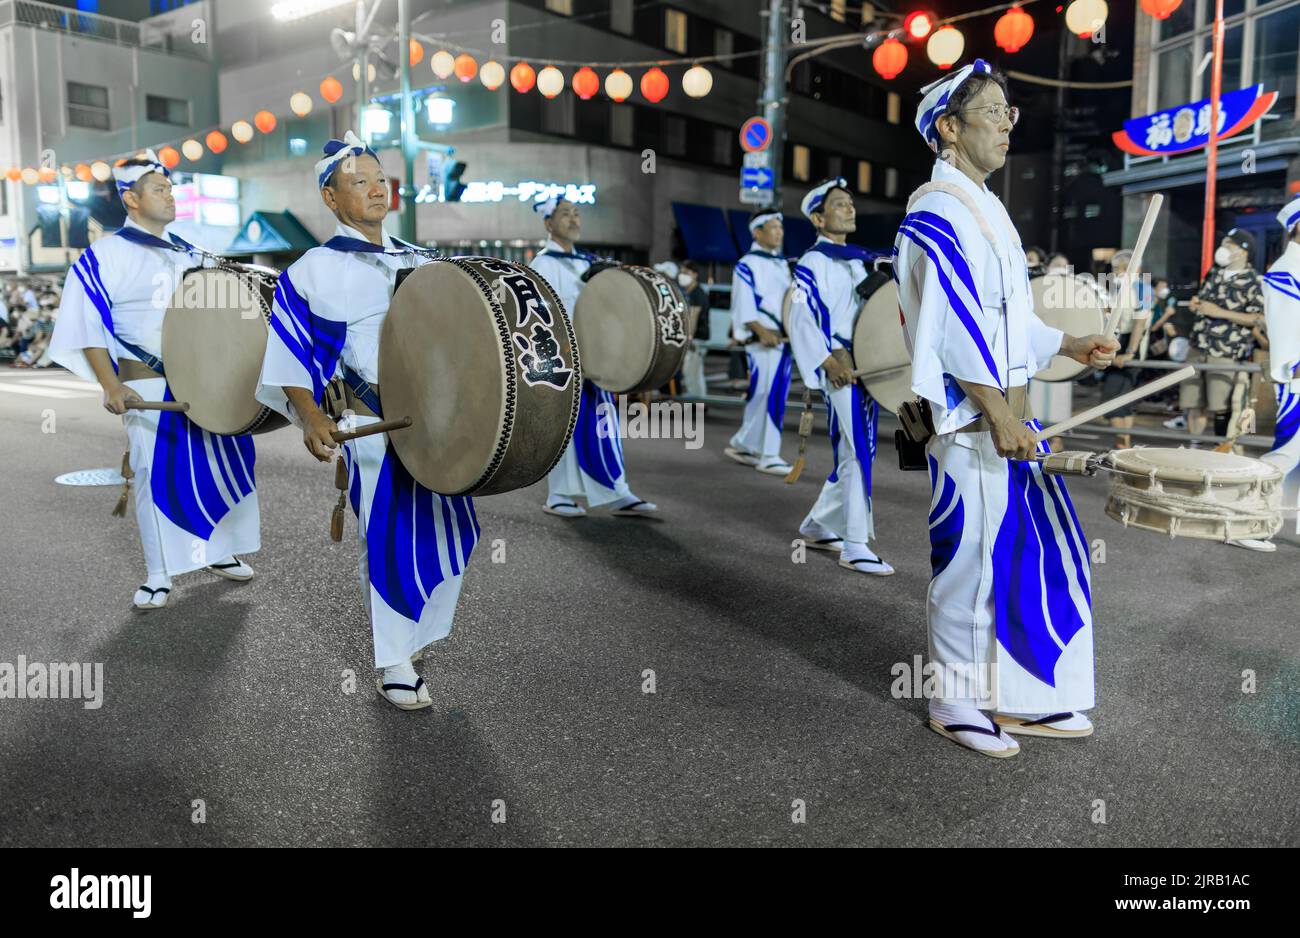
(771, 97)
(1212, 149)
(406, 220)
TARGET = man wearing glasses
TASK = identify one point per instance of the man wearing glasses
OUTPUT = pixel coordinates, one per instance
(1009, 603)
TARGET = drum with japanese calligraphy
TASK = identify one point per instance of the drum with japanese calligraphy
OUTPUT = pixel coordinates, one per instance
(631, 327)
(213, 342)
(480, 354)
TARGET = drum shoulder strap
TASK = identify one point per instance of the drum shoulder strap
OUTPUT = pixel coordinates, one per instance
(962, 196)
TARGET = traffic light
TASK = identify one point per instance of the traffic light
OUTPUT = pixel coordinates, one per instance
(452, 187)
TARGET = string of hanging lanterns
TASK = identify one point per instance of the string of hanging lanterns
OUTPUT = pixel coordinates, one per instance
(944, 44)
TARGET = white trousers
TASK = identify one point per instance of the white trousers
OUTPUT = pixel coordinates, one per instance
(844, 505)
(769, 385)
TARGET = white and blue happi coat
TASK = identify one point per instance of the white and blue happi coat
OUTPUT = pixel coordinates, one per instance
(195, 493)
(1282, 317)
(758, 286)
(415, 544)
(592, 465)
(823, 308)
(1010, 596)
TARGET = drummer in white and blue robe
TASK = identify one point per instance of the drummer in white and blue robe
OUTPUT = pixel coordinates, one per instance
(1009, 603)
(329, 309)
(195, 495)
(822, 311)
(758, 286)
(1282, 319)
(592, 466)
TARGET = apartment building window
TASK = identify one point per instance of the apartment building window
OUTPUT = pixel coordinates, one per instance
(557, 115)
(1174, 76)
(88, 106)
(675, 135)
(801, 164)
(893, 108)
(620, 16)
(562, 7)
(167, 110)
(864, 176)
(675, 31)
(891, 182)
(1277, 50)
(868, 13)
(724, 43)
(837, 10)
(723, 142)
(621, 128)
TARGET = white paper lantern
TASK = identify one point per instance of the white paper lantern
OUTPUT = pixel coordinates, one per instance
(618, 85)
(443, 63)
(697, 82)
(945, 46)
(550, 81)
(1085, 17)
(492, 75)
(192, 149)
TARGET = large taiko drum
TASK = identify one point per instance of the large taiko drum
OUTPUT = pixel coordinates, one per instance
(213, 342)
(480, 354)
(631, 328)
(880, 354)
(1194, 493)
(1074, 305)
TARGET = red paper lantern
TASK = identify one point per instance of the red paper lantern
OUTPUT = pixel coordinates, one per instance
(585, 83)
(918, 24)
(216, 141)
(465, 67)
(1160, 9)
(522, 77)
(83, 173)
(655, 85)
(417, 52)
(169, 157)
(264, 121)
(47, 174)
(1013, 29)
(14, 174)
(331, 89)
(889, 58)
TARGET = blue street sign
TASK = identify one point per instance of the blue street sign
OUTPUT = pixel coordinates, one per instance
(758, 178)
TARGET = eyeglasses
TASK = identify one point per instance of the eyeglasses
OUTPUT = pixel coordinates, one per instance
(999, 111)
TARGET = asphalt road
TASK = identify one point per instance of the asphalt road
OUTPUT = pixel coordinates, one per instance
(772, 680)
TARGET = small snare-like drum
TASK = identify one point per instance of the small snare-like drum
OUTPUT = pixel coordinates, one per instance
(479, 353)
(880, 346)
(1074, 305)
(213, 342)
(631, 328)
(1194, 493)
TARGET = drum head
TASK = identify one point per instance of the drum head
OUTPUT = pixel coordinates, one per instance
(880, 347)
(631, 328)
(213, 342)
(1073, 305)
(1191, 465)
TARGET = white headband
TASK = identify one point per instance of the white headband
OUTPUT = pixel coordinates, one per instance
(128, 176)
(935, 100)
(336, 151)
(1290, 214)
(812, 202)
(547, 209)
(758, 221)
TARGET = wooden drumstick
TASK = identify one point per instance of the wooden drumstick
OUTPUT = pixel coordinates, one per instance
(1105, 407)
(175, 406)
(1134, 265)
(384, 426)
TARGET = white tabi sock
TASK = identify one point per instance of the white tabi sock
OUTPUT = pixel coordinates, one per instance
(404, 673)
(857, 550)
(158, 581)
(951, 713)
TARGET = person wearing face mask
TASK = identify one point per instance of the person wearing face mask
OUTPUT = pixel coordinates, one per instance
(1036, 258)
(822, 312)
(757, 288)
(1058, 264)
(592, 466)
(1228, 306)
(1009, 603)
